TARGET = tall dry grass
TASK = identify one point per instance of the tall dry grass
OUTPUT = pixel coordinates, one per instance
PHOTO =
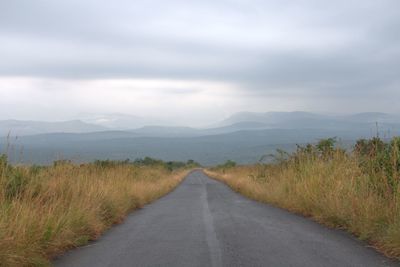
(335, 188)
(46, 210)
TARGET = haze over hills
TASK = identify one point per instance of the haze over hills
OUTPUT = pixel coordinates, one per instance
(119, 121)
(300, 119)
(20, 128)
(239, 121)
(354, 124)
(244, 137)
(241, 146)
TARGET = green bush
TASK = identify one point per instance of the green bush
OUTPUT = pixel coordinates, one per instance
(227, 165)
(170, 165)
(110, 163)
(326, 147)
(381, 161)
(61, 162)
(147, 161)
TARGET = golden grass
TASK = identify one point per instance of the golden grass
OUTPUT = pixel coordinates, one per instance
(60, 207)
(335, 192)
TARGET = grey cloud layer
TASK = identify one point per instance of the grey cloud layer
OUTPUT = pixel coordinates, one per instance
(332, 47)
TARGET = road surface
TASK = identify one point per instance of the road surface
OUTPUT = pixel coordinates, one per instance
(204, 223)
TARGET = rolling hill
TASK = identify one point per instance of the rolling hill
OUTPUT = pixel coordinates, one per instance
(244, 137)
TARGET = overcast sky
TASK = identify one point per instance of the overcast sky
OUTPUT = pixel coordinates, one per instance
(197, 61)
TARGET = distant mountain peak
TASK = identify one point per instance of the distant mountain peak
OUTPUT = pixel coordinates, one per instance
(302, 119)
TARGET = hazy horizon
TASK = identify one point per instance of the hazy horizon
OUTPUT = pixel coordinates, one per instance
(158, 121)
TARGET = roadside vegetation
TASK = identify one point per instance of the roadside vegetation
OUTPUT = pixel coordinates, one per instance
(358, 190)
(45, 210)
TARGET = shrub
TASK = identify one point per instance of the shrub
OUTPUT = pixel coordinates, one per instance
(170, 165)
(147, 161)
(380, 161)
(326, 147)
(61, 162)
(229, 164)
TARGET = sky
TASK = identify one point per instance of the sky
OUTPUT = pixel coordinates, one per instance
(196, 62)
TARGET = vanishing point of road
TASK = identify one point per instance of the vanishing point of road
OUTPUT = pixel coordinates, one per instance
(204, 223)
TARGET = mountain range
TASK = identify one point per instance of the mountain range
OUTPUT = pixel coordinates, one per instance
(237, 122)
(244, 137)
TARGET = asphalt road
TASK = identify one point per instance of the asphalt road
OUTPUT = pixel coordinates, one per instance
(204, 223)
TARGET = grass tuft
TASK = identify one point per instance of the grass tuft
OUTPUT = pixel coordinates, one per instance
(47, 210)
(358, 191)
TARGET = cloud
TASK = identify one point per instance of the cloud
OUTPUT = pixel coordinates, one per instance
(295, 51)
(177, 102)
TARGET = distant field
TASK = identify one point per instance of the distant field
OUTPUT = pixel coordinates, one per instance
(242, 146)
